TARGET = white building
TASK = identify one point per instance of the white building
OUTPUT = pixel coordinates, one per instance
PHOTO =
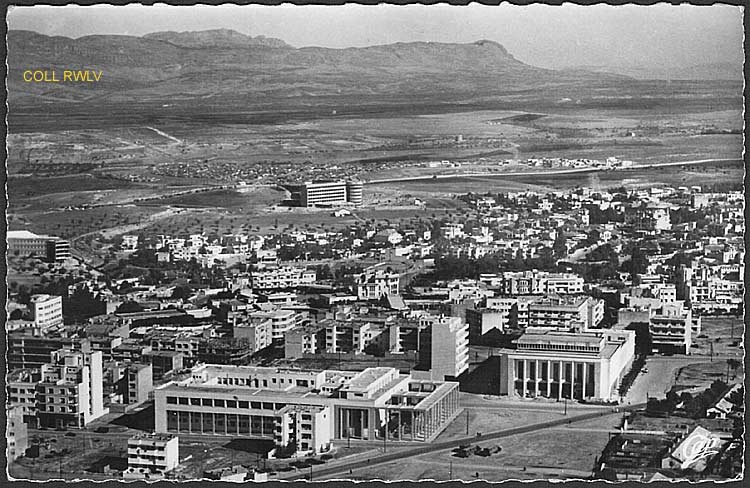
(152, 456)
(444, 346)
(560, 365)
(46, 311)
(70, 393)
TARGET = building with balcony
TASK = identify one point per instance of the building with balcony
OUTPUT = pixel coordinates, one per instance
(671, 327)
(70, 391)
(152, 456)
(282, 278)
(443, 346)
(566, 312)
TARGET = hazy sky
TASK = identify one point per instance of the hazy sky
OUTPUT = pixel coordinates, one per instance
(542, 35)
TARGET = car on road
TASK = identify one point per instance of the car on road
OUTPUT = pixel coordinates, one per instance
(70, 434)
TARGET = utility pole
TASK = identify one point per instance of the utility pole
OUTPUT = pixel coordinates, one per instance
(467, 421)
(565, 403)
(450, 473)
(311, 472)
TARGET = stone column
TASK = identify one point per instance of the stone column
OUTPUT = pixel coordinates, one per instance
(537, 367)
(549, 377)
(560, 379)
(523, 379)
(572, 380)
(583, 390)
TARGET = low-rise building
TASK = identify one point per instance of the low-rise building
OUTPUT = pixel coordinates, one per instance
(152, 456)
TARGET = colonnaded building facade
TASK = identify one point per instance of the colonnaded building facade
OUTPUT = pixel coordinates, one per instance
(557, 365)
(305, 407)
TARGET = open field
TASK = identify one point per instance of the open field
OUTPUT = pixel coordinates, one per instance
(555, 453)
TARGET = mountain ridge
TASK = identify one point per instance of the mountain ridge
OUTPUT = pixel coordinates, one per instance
(222, 61)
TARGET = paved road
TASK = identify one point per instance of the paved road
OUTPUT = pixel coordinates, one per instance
(441, 446)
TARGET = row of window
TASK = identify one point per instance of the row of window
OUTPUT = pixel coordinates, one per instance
(221, 403)
(219, 423)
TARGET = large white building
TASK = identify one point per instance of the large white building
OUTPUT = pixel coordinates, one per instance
(326, 193)
(254, 401)
(552, 364)
(46, 311)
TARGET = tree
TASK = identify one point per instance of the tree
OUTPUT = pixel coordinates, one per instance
(559, 248)
(129, 307)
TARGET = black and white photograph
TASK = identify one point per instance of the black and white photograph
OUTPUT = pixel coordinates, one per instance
(263, 243)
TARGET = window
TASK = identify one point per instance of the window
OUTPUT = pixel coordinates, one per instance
(183, 401)
(207, 402)
(218, 403)
(307, 436)
(244, 404)
(195, 401)
(307, 426)
(231, 404)
(267, 406)
(255, 405)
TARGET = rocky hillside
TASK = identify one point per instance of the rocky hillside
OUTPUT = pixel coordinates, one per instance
(223, 62)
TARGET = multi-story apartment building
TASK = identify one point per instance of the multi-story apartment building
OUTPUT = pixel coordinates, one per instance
(282, 278)
(138, 383)
(305, 427)
(70, 393)
(443, 346)
(152, 456)
(535, 282)
(251, 401)
(566, 313)
(483, 320)
(29, 351)
(259, 334)
(671, 327)
(281, 321)
(16, 433)
(354, 336)
(304, 339)
(21, 391)
(582, 365)
(46, 311)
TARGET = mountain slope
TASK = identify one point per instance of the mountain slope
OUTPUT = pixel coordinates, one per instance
(226, 63)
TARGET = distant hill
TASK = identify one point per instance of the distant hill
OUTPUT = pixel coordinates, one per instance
(699, 72)
(223, 62)
(226, 38)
